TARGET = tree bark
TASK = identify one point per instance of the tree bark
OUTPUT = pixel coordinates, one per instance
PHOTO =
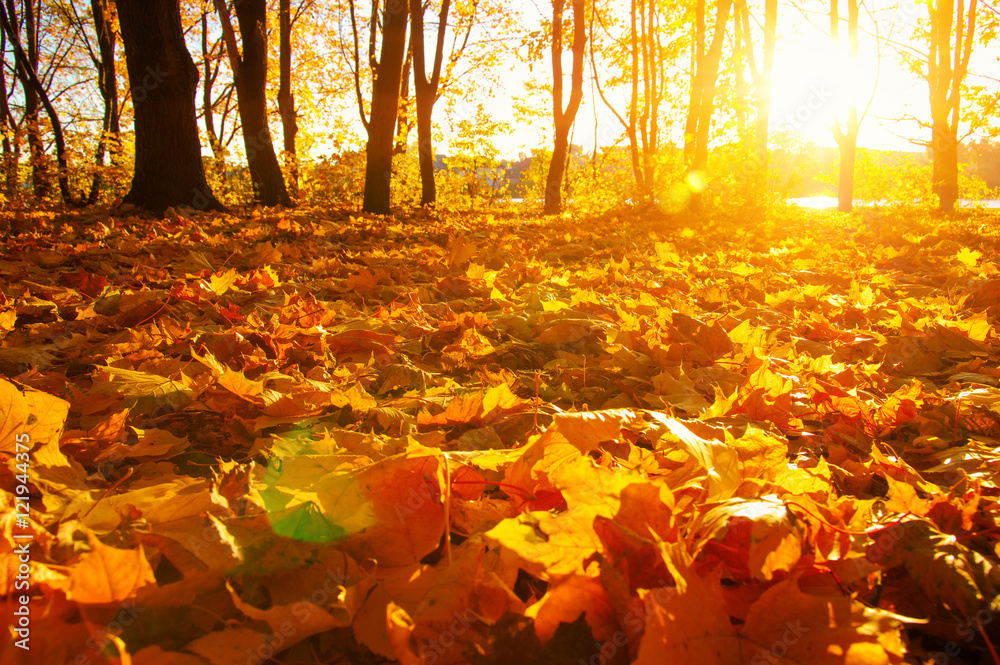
(207, 107)
(947, 66)
(286, 100)
(633, 109)
(40, 176)
(107, 82)
(163, 77)
(703, 87)
(563, 118)
(250, 76)
(28, 73)
(384, 109)
(403, 120)
(847, 141)
(425, 92)
(762, 87)
(11, 149)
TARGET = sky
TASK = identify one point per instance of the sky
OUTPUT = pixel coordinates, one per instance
(812, 82)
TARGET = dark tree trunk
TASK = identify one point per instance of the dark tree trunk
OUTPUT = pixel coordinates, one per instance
(286, 100)
(40, 180)
(11, 149)
(425, 92)
(107, 82)
(384, 110)
(40, 176)
(563, 119)
(163, 78)
(250, 75)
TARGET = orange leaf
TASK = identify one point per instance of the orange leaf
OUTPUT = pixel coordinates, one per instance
(688, 624)
(566, 601)
(108, 574)
(791, 626)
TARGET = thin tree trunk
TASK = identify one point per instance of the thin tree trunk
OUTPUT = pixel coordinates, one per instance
(286, 100)
(108, 85)
(740, 44)
(208, 107)
(403, 121)
(847, 141)
(163, 77)
(947, 67)
(27, 72)
(697, 58)
(708, 74)
(563, 118)
(250, 76)
(425, 92)
(633, 116)
(11, 149)
(40, 176)
(653, 117)
(763, 86)
(384, 109)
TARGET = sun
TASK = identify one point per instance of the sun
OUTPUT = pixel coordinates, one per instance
(814, 84)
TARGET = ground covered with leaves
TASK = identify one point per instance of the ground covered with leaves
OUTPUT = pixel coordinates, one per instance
(304, 437)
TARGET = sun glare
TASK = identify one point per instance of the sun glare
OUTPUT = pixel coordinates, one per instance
(814, 83)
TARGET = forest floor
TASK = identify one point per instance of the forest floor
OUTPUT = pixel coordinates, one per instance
(304, 437)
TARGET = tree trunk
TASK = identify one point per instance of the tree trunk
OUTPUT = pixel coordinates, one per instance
(563, 119)
(652, 133)
(703, 88)
(741, 44)
(945, 165)
(207, 105)
(27, 68)
(286, 100)
(11, 149)
(845, 184)
(163, 77)
(250, 77)
(948, 65)
(709, 75)
(762, 88)
(384, 110)
(40, 176)
(107, 82)
(633, 108)
(425, 92)
(847, 141)
(403, 120)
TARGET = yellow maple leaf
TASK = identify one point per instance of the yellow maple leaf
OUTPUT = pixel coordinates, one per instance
(969, 257)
